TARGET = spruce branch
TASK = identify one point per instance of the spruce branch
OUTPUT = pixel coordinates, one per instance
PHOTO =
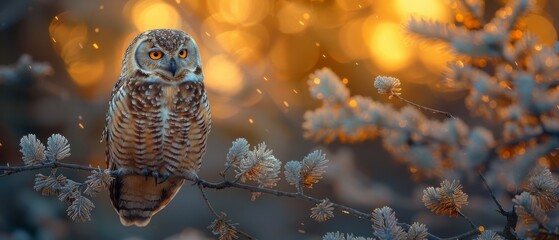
(225, 184)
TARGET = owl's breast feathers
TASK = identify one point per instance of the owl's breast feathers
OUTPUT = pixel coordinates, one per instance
(154, 128)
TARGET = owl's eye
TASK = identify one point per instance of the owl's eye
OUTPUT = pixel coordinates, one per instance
(183, 53)
(155, 55)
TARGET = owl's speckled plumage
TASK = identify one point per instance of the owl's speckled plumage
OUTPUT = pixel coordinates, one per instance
(157, 124)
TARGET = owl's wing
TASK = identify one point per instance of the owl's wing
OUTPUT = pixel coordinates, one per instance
(116, 87)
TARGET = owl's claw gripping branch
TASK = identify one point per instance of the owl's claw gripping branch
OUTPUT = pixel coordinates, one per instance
(164, 177)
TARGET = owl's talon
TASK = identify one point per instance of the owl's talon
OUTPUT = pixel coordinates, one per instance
(155, 176)
(146, 173)
(164, 177)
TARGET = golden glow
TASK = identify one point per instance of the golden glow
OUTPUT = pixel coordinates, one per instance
(95, 46)
(285, 103)
(542, 28)
(243, 12)
(352, 103)
(251, 121)
(153, 14)
(387, 46)
(353, 45)
(86, 73)
(433, 9)
(316, 81)
(225, 78)
(481, 228)
(289, 18)
(345, 81)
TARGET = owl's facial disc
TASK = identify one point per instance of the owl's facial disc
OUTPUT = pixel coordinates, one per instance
(171, 65)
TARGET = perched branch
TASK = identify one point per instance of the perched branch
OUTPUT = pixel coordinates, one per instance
(8, 170)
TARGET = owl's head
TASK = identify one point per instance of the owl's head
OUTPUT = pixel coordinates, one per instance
(163, 55)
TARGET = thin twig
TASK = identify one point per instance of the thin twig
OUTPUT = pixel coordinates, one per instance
(209, 205)
(424, 108)
(501, 210)
(467, 219)
(8, 170)
(512, 218)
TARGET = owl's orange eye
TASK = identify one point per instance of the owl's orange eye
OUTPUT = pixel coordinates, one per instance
(155, 55)
(182, 53)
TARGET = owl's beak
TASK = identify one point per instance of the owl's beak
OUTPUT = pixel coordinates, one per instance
(173, 66)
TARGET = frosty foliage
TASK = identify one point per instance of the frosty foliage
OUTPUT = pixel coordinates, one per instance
(342, 236)
(385, 224)
(489, 235)
(292, 173)
(259, 166)
(312, 168)
(80, 209)
(417, 231)
(24, 69)
(239, 150)
(97, 181)
(447, 199)
(57, 148)
(528, 209)
(32, 149)
(387, 85)
(223, 229)
(322, 211)
(544, 187)
(510, 78)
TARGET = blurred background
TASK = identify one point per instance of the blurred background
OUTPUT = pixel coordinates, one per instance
(257, 56)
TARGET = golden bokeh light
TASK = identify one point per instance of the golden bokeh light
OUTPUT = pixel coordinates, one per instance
(86, 73)
(225, 77)
(153, 14)
(542, 28)
(388, 46)
(432, 9)
(290, 16)
(242, 12)
(294, 54)
(352, 5)
(353, 46)
(435, 56)
(245, 45)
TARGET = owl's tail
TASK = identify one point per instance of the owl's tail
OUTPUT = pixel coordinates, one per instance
(136, 199)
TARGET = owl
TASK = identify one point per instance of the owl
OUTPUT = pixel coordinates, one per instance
(157, 123)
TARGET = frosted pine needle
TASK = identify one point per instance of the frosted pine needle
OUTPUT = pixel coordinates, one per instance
(239, 150)
(69, 191)
(259, 166)
(222, 228)
(544, 187)
(417, 231)
(388, 85)
(385, 224)
(325, 84)
(292, 172)
(342, 236)
(489, 235)
(97, 181)
(49, 185)
(446, 199)
(312, 168)
(322, 211)
(528, 210)
(32, 149)
(57, 148)
(80, 209)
